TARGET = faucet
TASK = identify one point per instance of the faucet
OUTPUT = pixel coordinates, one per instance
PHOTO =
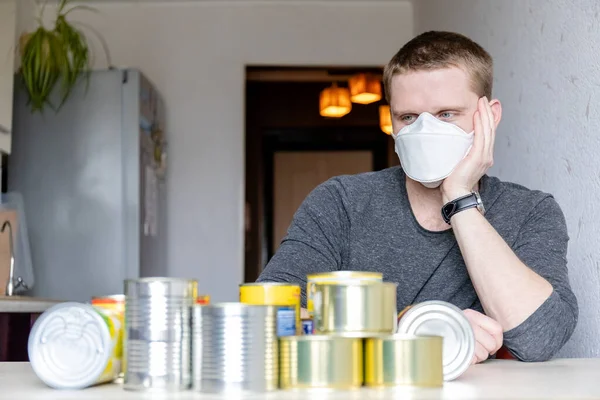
(10, 285)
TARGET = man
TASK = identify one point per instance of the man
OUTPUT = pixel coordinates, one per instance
(438, 225)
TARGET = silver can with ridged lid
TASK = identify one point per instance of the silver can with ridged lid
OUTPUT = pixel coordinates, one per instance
(440, 318)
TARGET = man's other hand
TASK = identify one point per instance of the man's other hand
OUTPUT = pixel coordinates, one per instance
(488, 335)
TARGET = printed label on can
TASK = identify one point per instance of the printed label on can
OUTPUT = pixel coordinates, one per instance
(115, 329)
(286, 321)
(283, 295)
(307, 326)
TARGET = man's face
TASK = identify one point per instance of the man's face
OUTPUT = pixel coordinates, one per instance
(444, 93)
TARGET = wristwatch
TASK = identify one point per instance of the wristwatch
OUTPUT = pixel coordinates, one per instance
(453, 207)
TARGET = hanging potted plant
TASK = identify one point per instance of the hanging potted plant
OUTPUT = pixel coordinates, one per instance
(51, 57)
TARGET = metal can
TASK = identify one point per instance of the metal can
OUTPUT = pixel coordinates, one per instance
(308, 327)
(319, 361)
(283, 295)
(235, 348)
(439, 318)
(158, 333)
(360, 309)
(75, 345)
(404, 360)
(336, 277)
(203, 300)
(114, 303)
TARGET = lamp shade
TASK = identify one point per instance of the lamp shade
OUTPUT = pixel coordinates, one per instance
(364, 88)
(385, 119)
(334, 102)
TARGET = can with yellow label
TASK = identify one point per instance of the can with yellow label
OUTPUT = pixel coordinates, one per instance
(114, 305)
(283, 295)
(335, 277)
(203, 300)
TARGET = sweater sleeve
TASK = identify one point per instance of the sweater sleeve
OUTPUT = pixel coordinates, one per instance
(315, 240)
(542, 246)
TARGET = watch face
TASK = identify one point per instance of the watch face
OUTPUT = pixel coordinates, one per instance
(479, 203)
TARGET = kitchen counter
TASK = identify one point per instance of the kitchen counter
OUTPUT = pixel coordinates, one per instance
(25, 304)
(496, 379)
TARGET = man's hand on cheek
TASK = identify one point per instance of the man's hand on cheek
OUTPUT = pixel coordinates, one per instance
(480, 158)
(488, 335)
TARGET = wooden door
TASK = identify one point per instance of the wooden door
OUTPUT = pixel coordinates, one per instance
(296, 173)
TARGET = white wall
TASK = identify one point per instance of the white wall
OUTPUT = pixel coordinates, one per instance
(547, 64)
(195, 53)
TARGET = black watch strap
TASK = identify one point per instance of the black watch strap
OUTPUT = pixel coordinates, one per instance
(461, 204)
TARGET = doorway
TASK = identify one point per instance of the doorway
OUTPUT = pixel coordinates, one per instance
(291, 148)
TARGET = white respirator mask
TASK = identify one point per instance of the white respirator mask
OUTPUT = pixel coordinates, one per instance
(430, 149)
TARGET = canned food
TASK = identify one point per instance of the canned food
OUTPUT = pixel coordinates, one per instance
(114, 303)
(404, 360)
(283, 295)
(359, 309)
(235, 348)
(319, 361)
(439, 318)
(308, 326)
(158, 333)
(336, 277)
(74, 346)
(203, 300)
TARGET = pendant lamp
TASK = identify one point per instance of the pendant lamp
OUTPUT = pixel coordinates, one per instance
(364, 88)
(334, 102)
(385, 119)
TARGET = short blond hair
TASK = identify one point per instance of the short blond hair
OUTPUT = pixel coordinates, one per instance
(436, 49)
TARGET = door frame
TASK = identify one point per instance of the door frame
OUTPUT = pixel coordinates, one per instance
(312, 139)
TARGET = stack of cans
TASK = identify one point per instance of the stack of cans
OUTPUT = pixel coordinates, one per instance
(235, 348)
(157, 333)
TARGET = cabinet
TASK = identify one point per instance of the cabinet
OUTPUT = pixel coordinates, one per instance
(8, 28)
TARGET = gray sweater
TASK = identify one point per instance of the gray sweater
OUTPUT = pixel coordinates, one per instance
(364, 222)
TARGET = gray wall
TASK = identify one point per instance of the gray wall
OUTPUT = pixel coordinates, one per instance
(547, 63)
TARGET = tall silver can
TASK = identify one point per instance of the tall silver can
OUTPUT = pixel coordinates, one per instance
(235, 348)
(157, 339)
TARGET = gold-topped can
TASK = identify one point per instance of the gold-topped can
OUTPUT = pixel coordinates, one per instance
(357, 309)
(397, 360)
(320, 362)
(336, 277)
(283, 295)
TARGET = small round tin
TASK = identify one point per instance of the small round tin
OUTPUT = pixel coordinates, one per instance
(336, 277)
(404, 360)
(439, 318)
(355, 309)
(320, 362)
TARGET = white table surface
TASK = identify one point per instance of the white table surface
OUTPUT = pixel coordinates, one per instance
(498, 379)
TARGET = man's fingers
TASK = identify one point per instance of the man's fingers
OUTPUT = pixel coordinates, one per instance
(485, 122)
(481, 353)
(485, 339)
(478, 136)
(489, 325)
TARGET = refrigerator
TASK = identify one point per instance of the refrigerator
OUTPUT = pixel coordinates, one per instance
(92, 178)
